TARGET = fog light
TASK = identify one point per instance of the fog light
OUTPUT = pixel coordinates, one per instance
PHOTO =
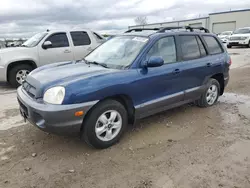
(79, 113)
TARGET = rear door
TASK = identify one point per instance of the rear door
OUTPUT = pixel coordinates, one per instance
(81, 44)
(195, 61)
(58, 52)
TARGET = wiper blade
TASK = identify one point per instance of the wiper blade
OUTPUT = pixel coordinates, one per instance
(96, 63)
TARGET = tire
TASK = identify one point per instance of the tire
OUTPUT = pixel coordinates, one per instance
(92, 122)
(248, 44)
(203, 101)
(229, 46)
(15, 70)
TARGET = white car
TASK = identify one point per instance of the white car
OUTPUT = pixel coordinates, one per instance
(240, 37)
(44, 48)
(224, 36)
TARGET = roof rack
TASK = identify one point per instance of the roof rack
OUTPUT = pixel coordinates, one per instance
(191, 29)
(142, 29)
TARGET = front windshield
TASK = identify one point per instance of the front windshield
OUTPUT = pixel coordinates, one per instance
(242, 31)
(118, 52)
(33, 41)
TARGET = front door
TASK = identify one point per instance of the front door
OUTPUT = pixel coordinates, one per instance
(81, 44)
(59, 51)
(160, 87)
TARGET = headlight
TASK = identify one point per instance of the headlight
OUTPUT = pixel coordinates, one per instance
(243, 38)
(54, 95)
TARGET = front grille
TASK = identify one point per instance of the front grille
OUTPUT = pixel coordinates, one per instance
(236, 38)
(31, 90)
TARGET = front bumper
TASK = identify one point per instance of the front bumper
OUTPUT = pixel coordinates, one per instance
(58, 119)
(238, 42)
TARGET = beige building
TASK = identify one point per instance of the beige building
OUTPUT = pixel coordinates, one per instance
(215, 22)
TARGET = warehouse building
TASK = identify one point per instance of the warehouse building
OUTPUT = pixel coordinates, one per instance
(215, 22)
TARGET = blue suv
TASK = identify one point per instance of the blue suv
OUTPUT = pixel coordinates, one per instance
(131, 76)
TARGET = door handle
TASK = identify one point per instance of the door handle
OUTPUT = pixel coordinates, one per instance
(67, 51)
(209, 64)
(176, 71)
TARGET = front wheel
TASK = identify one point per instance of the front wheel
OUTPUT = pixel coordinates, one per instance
(18, 74)
(210, 95)
(105, 124)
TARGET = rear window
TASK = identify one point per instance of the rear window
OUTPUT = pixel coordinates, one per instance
(80, 38)
(189, 47)
(213, 45)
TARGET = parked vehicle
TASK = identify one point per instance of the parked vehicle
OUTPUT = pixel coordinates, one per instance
(129, 77)
(224, 36)
(240, 37)
(45, 48)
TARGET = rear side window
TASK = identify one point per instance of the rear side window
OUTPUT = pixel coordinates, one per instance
(58, 40)
(201, 46)
(80, 38)
(213, 45)
(165, 48)
(189, 47)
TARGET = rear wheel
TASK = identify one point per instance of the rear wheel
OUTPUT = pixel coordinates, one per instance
(210, 95)
(18, 74)
(105, 124)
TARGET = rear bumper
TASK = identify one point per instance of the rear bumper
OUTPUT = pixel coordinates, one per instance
(57, 119)
(226, 80)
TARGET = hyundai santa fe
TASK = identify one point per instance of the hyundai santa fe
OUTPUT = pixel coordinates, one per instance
(129, 77)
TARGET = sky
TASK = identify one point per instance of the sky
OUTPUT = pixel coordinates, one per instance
(23, 18)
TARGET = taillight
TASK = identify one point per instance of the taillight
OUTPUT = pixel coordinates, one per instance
(230, 61)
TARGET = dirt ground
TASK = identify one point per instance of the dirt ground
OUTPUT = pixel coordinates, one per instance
(187, 147)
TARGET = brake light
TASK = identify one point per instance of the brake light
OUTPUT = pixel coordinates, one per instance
(230, 62)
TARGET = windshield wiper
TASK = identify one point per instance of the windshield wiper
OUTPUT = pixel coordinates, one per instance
(96, 63)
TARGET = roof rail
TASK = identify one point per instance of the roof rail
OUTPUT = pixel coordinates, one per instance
(142, 29)
(191, 29)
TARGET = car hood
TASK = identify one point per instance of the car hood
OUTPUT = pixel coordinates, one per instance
(241, 35)
(63, 74)
(14, 50)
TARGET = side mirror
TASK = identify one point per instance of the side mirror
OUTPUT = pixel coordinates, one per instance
(155, 61)
(47, 44)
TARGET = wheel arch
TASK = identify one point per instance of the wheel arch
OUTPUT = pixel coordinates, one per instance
(21, 62)
(125, 100)
(220, 78)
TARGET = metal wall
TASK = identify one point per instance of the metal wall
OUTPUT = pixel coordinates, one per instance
(215, 22)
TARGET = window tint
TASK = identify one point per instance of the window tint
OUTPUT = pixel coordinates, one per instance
(80, 38)
(189, 47)
(213, 45)
(98, 36)
(201, 46)
(165, 48)
(58, 40)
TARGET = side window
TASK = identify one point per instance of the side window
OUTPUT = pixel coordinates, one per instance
(98, 37)
(164, 47)
(58, 40)
(213, 45)
(201, 46)
(189, 47)
(80, 38)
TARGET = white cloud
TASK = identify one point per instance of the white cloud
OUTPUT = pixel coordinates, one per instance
(20, 18)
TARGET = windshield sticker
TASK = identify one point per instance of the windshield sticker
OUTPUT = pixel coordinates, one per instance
(140, 39)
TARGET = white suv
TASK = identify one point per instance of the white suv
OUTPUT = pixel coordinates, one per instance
(44, 48)
(240, 37)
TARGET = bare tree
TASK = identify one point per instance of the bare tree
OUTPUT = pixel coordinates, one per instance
(141, 20)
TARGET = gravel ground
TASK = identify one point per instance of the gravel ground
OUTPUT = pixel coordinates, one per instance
(186, 147)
